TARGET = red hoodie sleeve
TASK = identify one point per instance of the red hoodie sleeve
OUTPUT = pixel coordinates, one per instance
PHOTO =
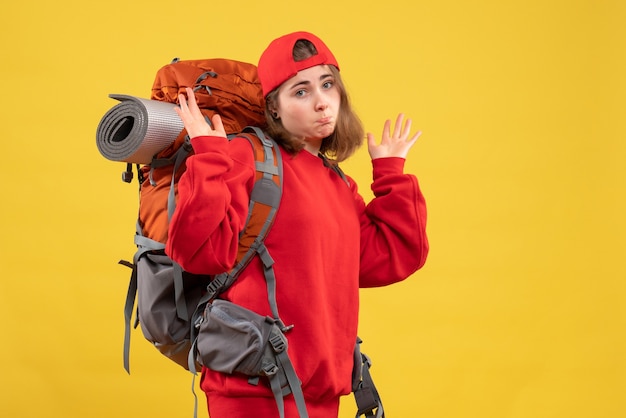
(393, 226)
(212, 205)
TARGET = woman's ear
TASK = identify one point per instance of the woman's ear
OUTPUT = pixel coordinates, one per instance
(271, 104)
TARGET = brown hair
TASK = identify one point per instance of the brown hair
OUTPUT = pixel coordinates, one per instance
(348, 135)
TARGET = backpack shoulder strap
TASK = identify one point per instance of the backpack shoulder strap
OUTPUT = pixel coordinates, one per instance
(265, 197)
(335, 167)
(264, 202)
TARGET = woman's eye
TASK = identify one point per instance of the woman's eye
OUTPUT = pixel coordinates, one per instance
(299, 93)
(328, 84)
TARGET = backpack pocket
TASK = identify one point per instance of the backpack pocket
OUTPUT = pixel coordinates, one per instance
(156, 305)
(233, 339)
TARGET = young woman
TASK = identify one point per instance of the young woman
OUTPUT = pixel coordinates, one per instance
(326, 241)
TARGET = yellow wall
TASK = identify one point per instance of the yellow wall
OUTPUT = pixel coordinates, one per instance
(519, 312)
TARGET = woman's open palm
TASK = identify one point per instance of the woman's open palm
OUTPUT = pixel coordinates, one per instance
(396, 144)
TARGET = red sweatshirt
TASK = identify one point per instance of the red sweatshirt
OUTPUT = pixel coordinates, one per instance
(325, 241)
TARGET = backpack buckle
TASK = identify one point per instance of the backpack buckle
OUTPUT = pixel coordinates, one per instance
(269, 369)
(215, 286)
(278, 343)
(127, 176)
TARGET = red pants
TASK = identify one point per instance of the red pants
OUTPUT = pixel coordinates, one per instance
(261, 407)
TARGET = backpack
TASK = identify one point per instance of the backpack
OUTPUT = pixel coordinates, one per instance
(173, 306)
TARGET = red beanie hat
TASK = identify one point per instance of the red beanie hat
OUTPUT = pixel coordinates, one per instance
(277, 65)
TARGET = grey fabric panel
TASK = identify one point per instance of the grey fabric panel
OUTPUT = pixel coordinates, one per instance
(156, 299)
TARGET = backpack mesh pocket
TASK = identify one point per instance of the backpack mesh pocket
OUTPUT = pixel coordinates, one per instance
(233, 339)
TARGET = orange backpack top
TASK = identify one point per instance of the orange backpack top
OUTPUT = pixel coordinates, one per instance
(230, 88)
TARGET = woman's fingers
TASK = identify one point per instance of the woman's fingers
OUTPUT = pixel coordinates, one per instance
(398, 128)
(217, 124)
(396, 143)
(407, 129)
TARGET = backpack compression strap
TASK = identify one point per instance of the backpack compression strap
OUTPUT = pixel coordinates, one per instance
(283, 378)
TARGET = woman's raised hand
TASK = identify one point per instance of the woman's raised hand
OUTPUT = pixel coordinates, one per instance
(193, 119)
(396, 144)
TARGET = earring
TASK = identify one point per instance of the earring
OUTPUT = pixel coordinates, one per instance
(275, 115)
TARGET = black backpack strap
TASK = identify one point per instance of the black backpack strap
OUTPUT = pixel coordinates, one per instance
(335, 167)
(367, 399)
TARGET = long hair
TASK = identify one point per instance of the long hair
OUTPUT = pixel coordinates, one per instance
(348, 134)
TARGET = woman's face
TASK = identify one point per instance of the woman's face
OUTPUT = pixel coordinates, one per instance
(308, 104)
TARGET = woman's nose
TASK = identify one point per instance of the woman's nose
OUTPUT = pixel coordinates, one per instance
(321, 103)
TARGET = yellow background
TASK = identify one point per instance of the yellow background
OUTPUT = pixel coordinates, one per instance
(519, 312)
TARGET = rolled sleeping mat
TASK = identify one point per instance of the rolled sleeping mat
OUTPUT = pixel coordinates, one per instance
(136, 129)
